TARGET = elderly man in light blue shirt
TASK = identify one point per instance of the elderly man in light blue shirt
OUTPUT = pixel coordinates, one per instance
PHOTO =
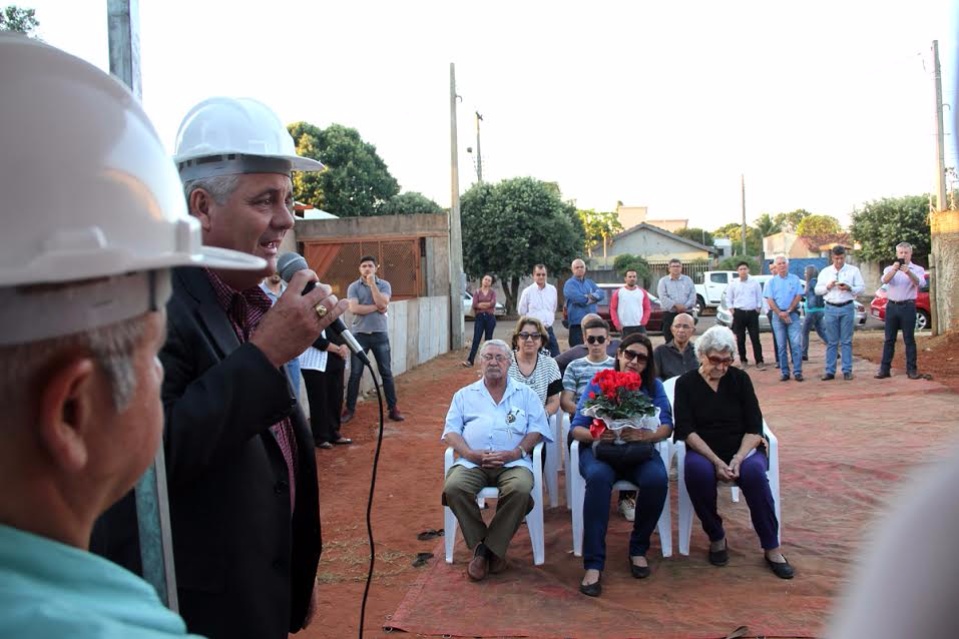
(784, 292)
(493, 425)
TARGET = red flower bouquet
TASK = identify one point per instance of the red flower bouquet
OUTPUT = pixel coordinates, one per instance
(620, 403)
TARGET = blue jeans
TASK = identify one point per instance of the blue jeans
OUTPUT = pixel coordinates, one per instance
(901, 315)
(839, 322)
(813, 321)
(379, 343)
(791, 335)
(652, 479)
(553, 344)
(484, 323)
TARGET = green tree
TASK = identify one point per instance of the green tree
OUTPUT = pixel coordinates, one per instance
(628, 262)
(818, 226)
(696, 235)
(733, 231)
(790, 221)
(512, 225)
(356, 181)
(881, 224)
(409, 203)
(13, 18)
(599, 227)
(731, 263)
(766, 225)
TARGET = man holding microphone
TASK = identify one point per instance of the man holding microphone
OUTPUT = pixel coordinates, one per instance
(902, 280)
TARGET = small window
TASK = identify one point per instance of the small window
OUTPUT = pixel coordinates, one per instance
(718, 278)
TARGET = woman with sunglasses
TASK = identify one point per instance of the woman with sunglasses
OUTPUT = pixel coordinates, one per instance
(532, 364)
(718, 416)
(635, 354)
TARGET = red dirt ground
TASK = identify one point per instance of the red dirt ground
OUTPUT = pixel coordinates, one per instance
(937, 356)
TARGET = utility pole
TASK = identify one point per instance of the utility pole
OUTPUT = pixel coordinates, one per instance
(742, 187)
(940, 144)
(479, 153)
(456, 238)
(152, 501)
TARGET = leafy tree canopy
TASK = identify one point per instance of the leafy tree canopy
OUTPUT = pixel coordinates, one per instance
(598, 226)
(767, 225)
(356, 182)
(731, 263)
(13, 18)
(754, 238)
(628, 262)
(790, 221)
(512, 225)
(818, 226)
(696, 235)
(881, 224)
(409, 203)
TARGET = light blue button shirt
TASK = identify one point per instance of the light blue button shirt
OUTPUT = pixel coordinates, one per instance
(49, 589)
(783, 290)
(486, 425)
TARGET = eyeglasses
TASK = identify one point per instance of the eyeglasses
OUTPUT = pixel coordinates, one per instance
(715, 360)
(529, 336)
(637, 355)
(499, 359)
(596, 339)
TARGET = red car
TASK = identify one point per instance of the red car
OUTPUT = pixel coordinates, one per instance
(923, 316)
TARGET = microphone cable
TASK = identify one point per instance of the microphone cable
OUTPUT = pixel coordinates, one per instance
(369, 502)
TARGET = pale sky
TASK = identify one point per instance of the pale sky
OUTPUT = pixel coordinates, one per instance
(822, 105)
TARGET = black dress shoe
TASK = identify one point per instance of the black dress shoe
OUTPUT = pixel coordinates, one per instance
(913, 375)
(593, 589)
(798, 377)
(781, 570)
(847, 376)
(784, 378)
(827, 377)
(719, 557)
(882, 375)
(639, 572)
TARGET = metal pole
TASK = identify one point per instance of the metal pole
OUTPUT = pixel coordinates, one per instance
(742, 186)
(479, 153)
(940, 145)
(153, 507)
(456, 239)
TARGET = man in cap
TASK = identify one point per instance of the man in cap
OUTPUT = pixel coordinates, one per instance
(240, 455)
(91, 235)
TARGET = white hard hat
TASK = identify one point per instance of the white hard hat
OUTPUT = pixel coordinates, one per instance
(87, 193)
(227, 136)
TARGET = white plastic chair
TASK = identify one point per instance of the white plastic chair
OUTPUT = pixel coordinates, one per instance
(534, 520)
(554, 459)
(686, 505)
(664, 526)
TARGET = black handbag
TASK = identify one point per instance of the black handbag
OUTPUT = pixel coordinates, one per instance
(623, 456)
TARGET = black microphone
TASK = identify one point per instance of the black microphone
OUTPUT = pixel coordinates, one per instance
(287, 266)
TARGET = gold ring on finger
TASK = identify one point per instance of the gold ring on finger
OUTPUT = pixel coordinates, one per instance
(321, 310)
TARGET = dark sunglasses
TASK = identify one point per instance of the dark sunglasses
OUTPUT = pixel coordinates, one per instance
(715, 360)
(596, 339)
(529, 336)
(631, 355)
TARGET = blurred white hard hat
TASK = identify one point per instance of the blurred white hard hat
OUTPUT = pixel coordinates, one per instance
(89, 194)
(227, 136)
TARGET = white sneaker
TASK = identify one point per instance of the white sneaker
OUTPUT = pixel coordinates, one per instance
(627, 508)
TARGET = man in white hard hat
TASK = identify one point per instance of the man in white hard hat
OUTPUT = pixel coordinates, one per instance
(240, 457)
(90, 235)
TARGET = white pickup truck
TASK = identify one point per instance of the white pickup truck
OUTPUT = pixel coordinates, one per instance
(710, 293)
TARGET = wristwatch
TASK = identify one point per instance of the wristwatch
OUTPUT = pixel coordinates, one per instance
(522, 452)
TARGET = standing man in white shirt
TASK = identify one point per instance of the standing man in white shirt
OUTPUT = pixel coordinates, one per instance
(902, 280)
(744, 298)
(629, 307)
(539, 300)
(839, 284)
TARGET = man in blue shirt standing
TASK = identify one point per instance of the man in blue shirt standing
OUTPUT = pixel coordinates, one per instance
(581, 295)
(783, 293)
(493, 425)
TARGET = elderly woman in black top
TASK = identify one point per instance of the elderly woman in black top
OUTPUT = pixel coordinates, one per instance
(716, 412)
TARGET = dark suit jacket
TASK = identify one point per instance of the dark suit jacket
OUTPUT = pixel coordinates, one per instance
(244, 566)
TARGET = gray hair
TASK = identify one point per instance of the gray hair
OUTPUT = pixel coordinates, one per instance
(220, 187)
(112, 348)
(498, 343)
(781, 256)
(718, 339)
(904, 245)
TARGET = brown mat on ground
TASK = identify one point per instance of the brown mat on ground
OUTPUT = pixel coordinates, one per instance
(842, 455)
